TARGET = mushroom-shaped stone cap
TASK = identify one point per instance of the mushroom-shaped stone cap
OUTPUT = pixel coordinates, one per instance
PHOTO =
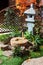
(30, 11)
(18, 41)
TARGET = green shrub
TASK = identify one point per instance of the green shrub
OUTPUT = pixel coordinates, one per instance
(19, 52)
(36, 40)
(5, 37)
(34, 54)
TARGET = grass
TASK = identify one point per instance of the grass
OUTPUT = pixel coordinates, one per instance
(5, 37)
(37, 53)
(11, 61)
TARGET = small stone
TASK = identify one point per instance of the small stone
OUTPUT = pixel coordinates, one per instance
(7, 53)
(4, 47)
(0, 61)
(22, 47)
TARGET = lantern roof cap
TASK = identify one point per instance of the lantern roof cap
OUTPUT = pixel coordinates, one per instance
(30, 10)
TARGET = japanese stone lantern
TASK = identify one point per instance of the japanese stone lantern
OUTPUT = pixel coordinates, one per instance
(30, 18)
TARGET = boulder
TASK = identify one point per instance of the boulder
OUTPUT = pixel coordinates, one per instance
(34, 61)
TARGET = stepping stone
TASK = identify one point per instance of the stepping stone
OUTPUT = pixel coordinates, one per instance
(2, 46)
(34, 61)
(5, 46)
(8, 53)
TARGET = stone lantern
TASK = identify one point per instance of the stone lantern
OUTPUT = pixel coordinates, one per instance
(30, 18)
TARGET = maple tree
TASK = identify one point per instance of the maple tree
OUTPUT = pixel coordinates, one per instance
(22, 4)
